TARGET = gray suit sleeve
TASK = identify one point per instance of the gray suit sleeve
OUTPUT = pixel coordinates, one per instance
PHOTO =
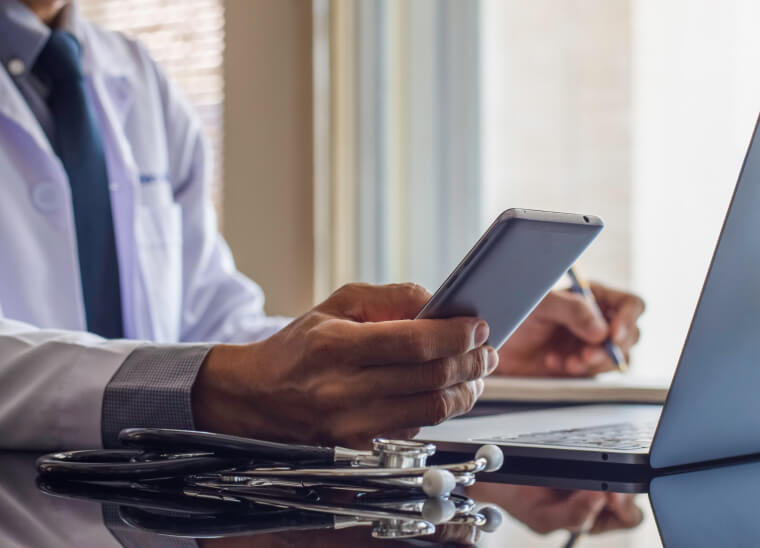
(152, 388)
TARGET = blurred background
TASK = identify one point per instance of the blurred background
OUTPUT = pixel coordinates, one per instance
(374, 140)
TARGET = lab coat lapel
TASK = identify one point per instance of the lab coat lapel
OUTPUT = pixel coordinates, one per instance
(14, 110)
(34, 168)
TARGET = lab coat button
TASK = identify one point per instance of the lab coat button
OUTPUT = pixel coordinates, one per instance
(45, 197)
(16, 67)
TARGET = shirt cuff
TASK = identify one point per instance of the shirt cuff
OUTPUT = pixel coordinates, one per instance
(152, 389)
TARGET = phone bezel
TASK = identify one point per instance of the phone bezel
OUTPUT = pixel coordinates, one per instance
(484, 243)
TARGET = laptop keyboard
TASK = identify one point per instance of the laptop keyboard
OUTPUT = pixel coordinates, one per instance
(622, 437)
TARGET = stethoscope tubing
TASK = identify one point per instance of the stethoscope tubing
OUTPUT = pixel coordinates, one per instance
(358, 509)
(158, 497)
(170, 440)
(129, 464)
(160, 452)
(360, 473)
(216, 526)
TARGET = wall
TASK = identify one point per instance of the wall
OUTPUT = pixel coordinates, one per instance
(556, 91)
(696, 99)
(268, 214)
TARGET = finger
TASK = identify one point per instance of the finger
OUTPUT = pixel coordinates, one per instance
(608, 297)
(377, 303)
(618, 303)
(605, 522)
(574, 312)
(402, 434)
(623, 507)
(435, 407)
(587, 364)
(566, 366)
(396, 380)
(583, 509)
(399, 413)
(626, 348)
(636, 338)
(623, 322)
(554, 363)
(609, 521)
(597, 359)
(575, 513)
(403, 341)
(626, 335)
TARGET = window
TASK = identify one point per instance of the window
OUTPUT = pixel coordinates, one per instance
(187, 39)
(637, 110)
(404, 141)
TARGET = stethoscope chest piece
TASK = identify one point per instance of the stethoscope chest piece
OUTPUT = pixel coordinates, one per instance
(402, 454)
(398, 528)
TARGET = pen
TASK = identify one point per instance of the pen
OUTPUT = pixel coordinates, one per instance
(572, 540)
(575, 536)
(582, 287)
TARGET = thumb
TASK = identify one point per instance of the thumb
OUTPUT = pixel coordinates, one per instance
(576, 313)
(377, 303)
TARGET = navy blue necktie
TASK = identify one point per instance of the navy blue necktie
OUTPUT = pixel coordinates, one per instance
(79, 145)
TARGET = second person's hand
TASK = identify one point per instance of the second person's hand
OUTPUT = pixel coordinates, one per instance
(544, 509)
(562, 337)
(354, 367)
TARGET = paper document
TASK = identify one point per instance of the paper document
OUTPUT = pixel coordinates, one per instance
(609, 387)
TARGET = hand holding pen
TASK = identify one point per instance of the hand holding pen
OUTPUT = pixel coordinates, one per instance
(582, 287)
(564, 336)
(619, 511)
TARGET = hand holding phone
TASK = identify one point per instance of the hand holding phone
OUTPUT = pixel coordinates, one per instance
(512, 267)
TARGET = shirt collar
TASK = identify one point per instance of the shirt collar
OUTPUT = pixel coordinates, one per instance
(23, 34)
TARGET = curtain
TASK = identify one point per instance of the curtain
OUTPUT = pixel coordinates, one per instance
(401, 201)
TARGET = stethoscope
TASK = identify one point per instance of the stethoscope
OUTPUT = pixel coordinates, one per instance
(396, 516)
(224, 462)
(188, 509)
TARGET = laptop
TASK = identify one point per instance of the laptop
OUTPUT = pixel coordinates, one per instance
(713, 406)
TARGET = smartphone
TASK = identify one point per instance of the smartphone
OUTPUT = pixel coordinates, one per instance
(512, 268)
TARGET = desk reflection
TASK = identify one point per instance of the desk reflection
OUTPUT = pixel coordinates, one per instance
(710, 507)
(544, 509)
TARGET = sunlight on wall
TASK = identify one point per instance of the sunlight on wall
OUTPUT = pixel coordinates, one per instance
(636, 110)
(696, 99)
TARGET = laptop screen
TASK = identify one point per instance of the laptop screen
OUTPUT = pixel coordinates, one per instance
(713, 407)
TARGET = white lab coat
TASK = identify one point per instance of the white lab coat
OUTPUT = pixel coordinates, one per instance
(178, 279)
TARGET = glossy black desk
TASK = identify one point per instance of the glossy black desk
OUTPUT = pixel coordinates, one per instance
(705, 506)
(708, 507)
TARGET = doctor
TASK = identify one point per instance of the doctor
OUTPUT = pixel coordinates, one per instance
(120, 304)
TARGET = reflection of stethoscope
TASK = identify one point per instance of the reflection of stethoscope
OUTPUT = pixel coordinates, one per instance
(189, 510)
(399, 517)
(222, 462)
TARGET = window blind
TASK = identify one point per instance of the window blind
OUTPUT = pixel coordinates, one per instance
(187, 39)
(405, 139)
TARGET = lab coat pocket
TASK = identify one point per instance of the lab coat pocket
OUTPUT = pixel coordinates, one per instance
(159, 246)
